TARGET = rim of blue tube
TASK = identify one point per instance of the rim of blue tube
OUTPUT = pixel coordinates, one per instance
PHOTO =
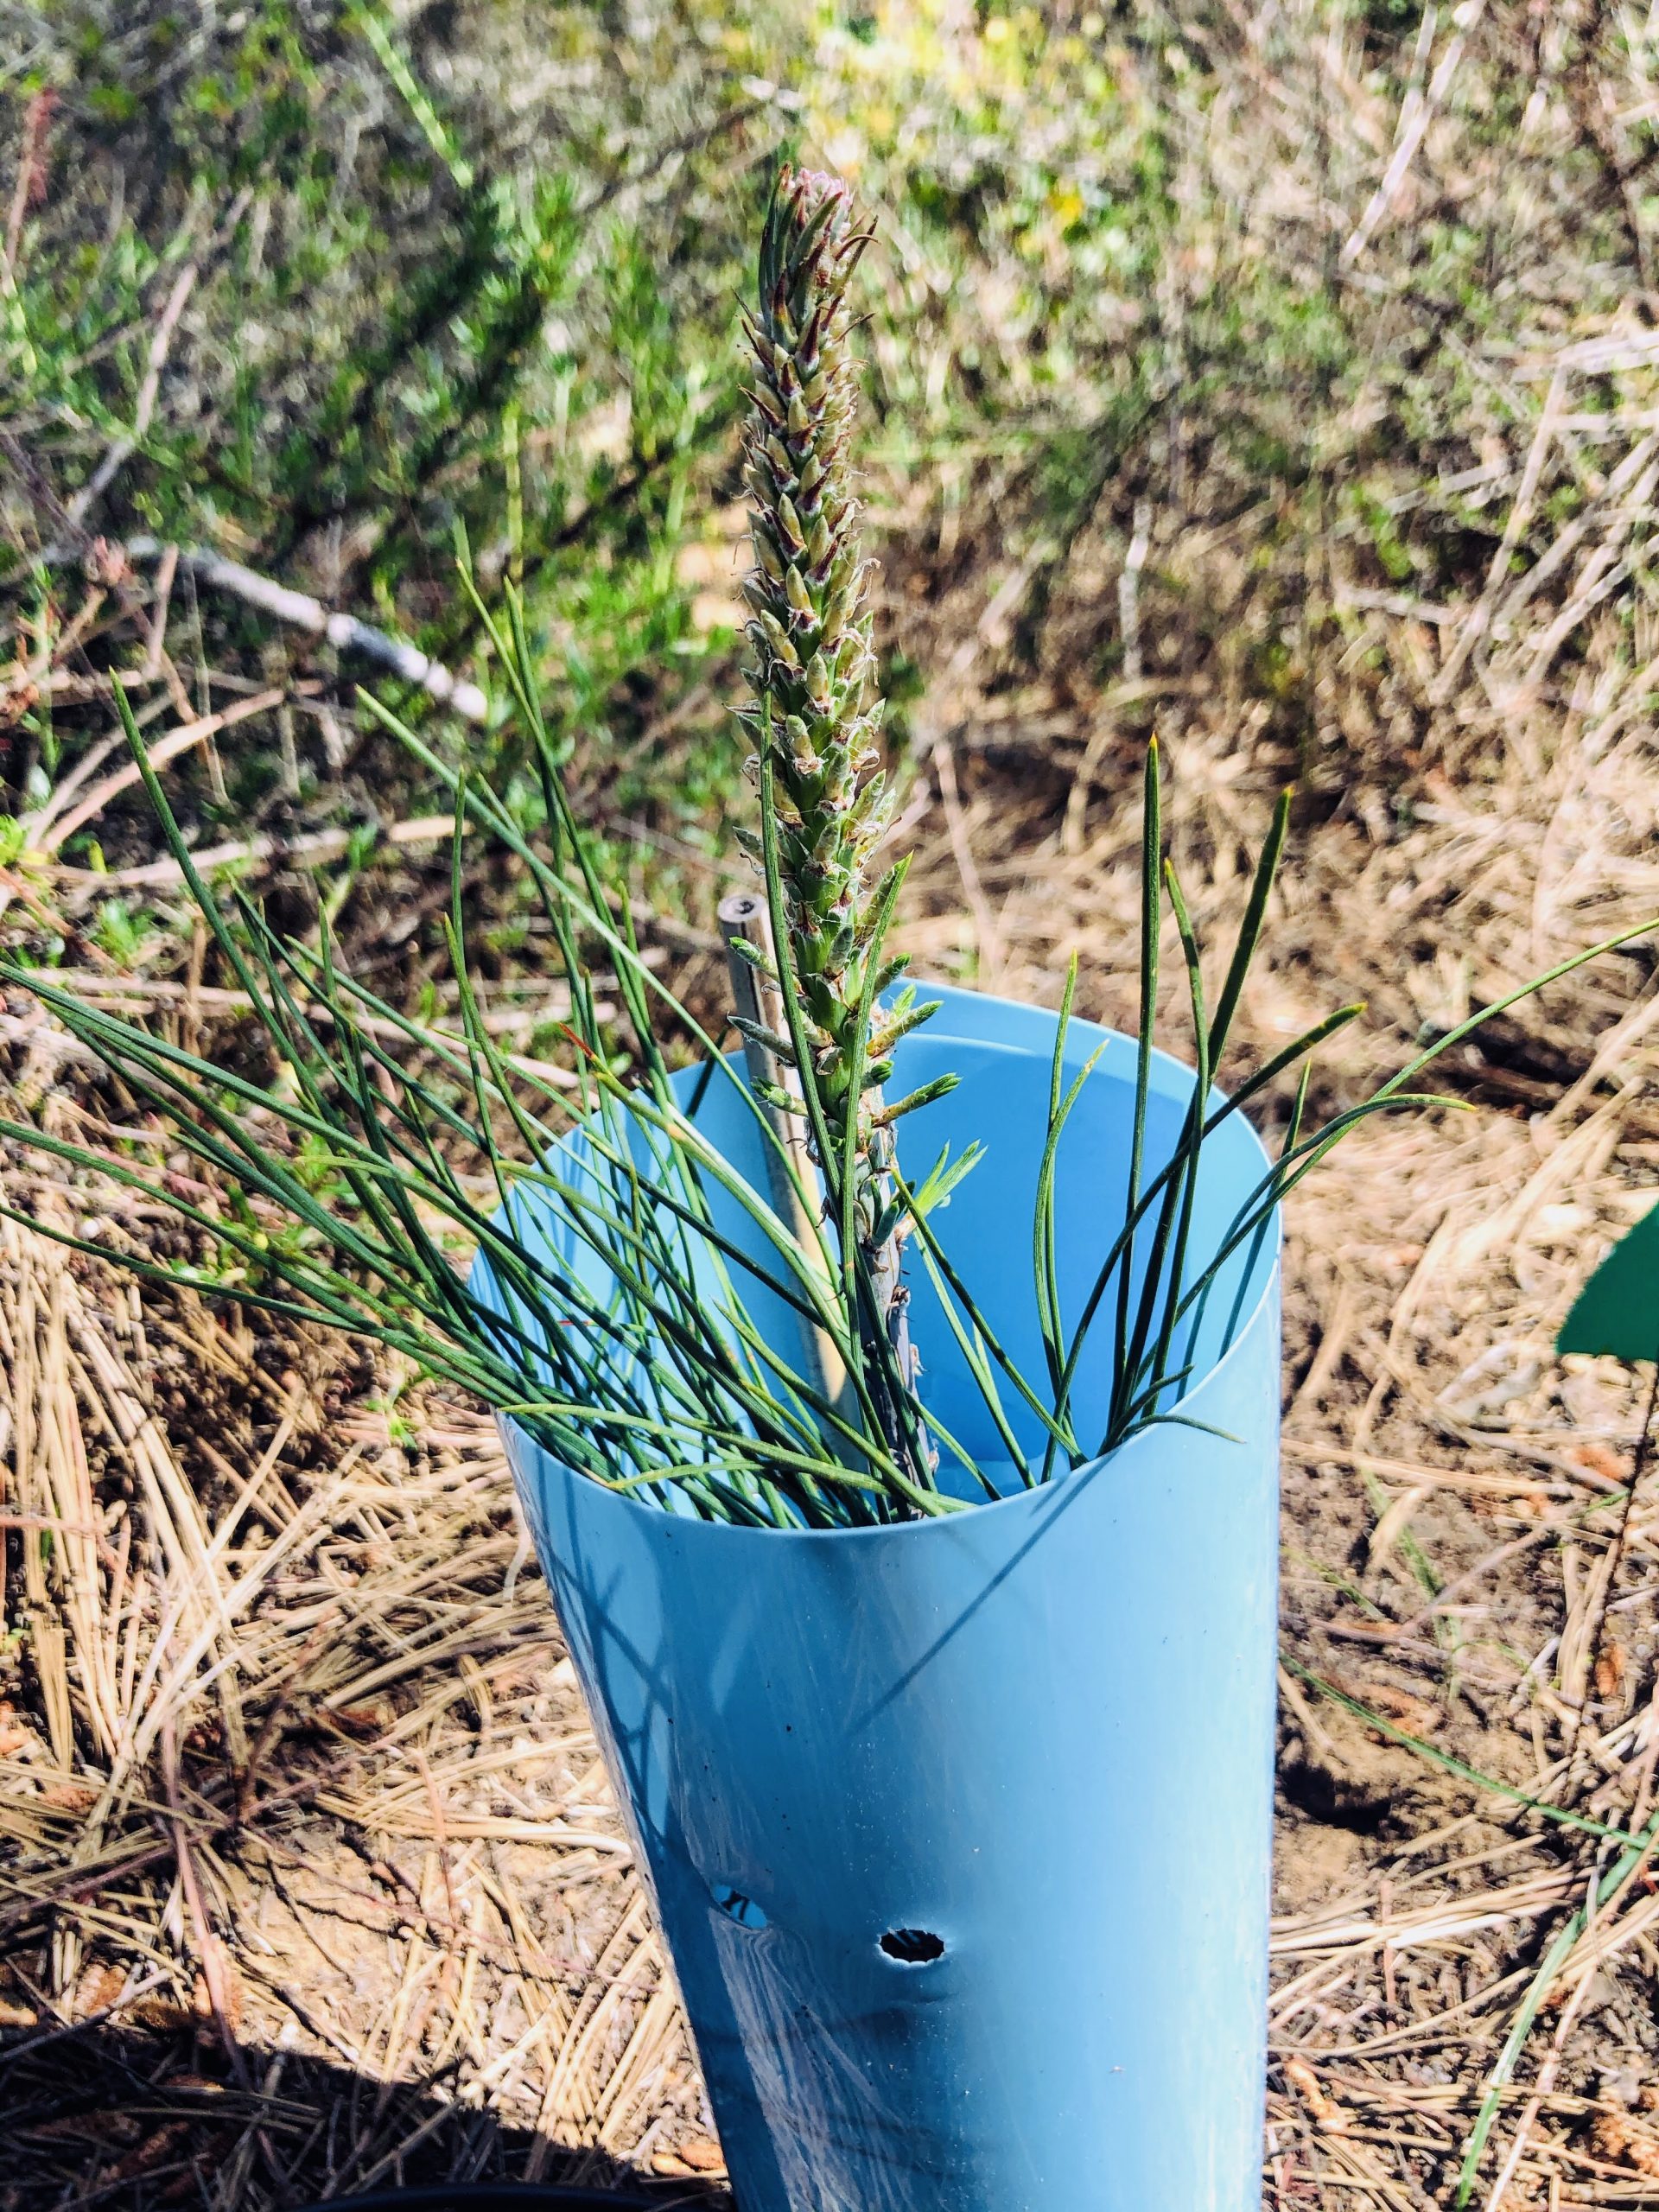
(955, 994)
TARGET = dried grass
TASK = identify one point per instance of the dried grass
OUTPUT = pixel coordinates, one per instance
(295, 1771)
(306, 1827)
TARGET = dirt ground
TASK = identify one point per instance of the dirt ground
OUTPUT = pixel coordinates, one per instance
(313, 1880)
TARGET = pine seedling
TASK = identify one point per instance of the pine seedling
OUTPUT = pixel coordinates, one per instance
(630, 1276)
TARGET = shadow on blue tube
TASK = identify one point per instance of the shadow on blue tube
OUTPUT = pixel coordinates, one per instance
(958, 1830)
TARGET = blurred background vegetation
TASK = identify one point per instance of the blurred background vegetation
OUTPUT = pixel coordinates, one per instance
(1196, 346)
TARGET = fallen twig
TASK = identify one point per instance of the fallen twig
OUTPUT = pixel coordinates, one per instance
(298, 609)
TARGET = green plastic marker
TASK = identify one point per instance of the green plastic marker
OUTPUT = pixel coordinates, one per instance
(1617, 1313)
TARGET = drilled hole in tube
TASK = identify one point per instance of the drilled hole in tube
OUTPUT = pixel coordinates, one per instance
(735, 1906)
(912, 1947)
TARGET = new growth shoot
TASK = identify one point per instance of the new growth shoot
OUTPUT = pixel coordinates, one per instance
(824, 804)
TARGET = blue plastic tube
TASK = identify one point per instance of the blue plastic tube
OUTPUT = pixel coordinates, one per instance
(958, 1829)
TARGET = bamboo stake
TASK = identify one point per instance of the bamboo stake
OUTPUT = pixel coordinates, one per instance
(755, 997)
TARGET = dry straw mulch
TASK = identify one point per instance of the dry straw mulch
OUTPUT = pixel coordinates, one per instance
(313, 1879)
(311, 1869)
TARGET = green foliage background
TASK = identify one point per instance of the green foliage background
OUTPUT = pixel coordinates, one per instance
(475, 266)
